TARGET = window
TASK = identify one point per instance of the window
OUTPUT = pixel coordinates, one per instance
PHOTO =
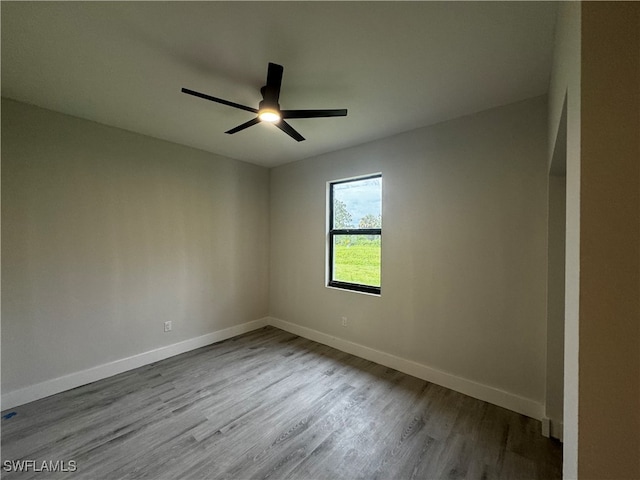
(355, 233)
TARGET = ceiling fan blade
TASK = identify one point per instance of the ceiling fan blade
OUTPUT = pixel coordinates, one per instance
(219, 100)
(271, 92)
(248, 124)
(313, 113)
(289, 130)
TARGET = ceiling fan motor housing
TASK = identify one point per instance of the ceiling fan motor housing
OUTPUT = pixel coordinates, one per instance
(266, 105)
(269, 98)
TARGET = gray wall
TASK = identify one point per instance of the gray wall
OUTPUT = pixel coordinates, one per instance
(106, 234)
(464, 247)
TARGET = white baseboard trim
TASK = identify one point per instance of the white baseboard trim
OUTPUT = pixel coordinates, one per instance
(552, 428)
(557, 429)
(504, 399)
(77, 379)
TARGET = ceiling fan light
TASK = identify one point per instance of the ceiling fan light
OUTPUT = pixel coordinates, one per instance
(269, 115)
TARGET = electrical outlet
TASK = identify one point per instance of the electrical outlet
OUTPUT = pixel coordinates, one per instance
(344, 321)
(167, 326)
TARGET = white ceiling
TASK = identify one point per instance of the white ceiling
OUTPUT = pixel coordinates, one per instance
(395, 66)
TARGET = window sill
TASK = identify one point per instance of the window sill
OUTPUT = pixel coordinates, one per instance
(371, 291)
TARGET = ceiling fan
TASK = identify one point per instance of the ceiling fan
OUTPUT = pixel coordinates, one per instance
(269, 109)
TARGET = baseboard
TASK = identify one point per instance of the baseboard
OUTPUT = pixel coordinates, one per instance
(557, 429)
(77, 379)
(477, 390)
(552, 428)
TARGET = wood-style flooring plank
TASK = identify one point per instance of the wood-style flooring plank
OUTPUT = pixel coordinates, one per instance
(272, 405)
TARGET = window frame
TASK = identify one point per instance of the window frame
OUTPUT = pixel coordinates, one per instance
(333, 232)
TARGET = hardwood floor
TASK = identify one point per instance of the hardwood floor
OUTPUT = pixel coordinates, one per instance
(269, 404)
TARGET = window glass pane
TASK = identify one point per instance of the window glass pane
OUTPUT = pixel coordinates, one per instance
(356, 259)
(358, 204)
